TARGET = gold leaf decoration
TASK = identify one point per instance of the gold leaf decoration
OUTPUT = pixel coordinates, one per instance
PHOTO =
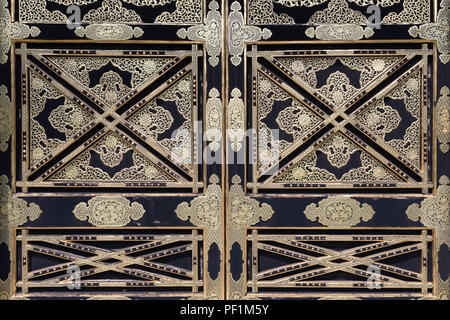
(433, 212)
(243, 212)
(210, 32)
(204, 211)
(339, 212)
(207, 211)
(5, 205)
(214, 119)
(239, 34)
(109, 31)
(437, 31)
(186, 11)
(246, 211)
(22, 211)
(109, 211)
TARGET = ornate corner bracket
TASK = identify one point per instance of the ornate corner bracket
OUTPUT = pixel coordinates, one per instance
(109, 211)
(338, 22)
(214, 119)
(207, 211)
(433, 212)
(339, 212)
(443, 119)
(9, 31)
(239, 34)
(437, 31)
(243, 212)
(210, 32)
(109, 31)
(22, 212)
(5, 206)
(204, 211)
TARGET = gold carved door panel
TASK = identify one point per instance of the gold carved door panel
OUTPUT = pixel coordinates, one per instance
(204, 149)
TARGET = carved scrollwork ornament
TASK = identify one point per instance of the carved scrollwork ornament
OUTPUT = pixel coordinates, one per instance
(347, 32)
(243, 212)
(339, 212)
(437, 31)
(433, 212)
(262, 12)
(5, 118)
(5, 207)
(186, 11)
(239, 34)
(11, 31)
(235, 123)
(210, 32)
(443, 119)
(109, 31)
(214, 119)
(109, 211)
(204, 211)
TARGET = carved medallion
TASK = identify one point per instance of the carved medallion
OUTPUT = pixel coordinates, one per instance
(339, 212)
(109, 211)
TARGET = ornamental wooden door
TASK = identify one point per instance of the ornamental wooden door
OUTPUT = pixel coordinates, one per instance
(204, 149)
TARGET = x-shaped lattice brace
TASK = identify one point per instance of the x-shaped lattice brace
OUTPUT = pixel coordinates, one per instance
(339, 118)
(350, 261)
(186, 278)
(110, 118)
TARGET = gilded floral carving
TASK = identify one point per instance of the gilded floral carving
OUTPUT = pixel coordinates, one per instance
(22, 211)
(210, 32)
(244, 210)
(339, 212)
(109, 211)
(235, 125)
(10, 31)
(5, 118)
(204, 211)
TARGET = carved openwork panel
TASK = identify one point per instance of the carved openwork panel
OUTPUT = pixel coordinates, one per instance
(342, 118)
(108, 118)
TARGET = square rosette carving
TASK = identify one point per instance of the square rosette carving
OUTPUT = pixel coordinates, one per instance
(116, 117)
(342, 117)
